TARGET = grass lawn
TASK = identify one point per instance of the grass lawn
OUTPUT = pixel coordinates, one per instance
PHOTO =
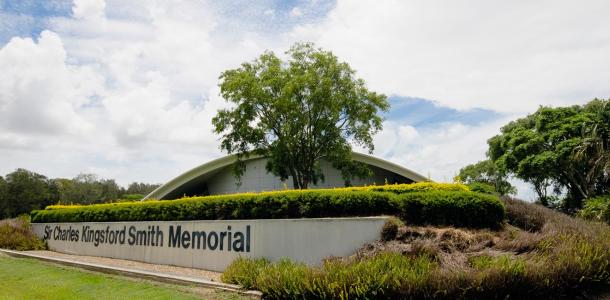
(22, 278)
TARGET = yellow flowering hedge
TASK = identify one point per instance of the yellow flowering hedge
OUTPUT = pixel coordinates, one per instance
(412, 187)
(421, 203)
(394, 188)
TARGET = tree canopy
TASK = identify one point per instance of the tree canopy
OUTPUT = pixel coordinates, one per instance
(486, 172)
(23, 190)
(88, 189)
(296, 112)
(564, 149)
(140, 188)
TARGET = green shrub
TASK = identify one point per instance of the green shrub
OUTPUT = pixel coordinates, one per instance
(17, 234)
(380, 277)
(286, 280)
(244, 271)
(436, 207)
(397, 276)
(482, 187)
(597, 209)
(462, 209)
(130, 197)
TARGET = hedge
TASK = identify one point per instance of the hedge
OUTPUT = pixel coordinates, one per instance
(464, 209)
(393, 188)
(411, 187)
(459, 208)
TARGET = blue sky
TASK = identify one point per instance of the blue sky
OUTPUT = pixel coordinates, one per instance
(422, 113)
(28, 18)
(126, 89)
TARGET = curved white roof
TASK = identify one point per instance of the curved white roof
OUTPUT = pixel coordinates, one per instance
(208, 169)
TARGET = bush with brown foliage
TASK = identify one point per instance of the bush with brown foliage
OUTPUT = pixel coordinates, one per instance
(525, 215)
(390, 228)
(17, 234)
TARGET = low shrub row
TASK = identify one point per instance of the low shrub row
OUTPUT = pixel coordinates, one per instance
(395, 276)
(379, 277)
(457, 208)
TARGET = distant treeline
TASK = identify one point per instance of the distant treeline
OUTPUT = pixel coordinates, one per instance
(23, 191)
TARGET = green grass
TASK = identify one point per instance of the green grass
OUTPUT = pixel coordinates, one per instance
(22, 278)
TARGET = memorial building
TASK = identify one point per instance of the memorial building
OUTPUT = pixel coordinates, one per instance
(216, 177)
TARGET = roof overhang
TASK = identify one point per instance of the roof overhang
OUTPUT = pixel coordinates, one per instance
(211, 167)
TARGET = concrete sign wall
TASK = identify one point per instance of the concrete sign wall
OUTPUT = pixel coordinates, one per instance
(213, 245)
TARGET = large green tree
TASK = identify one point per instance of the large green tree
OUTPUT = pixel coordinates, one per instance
(487, 172)
(594, 148)
(563, 148)
(296, 112)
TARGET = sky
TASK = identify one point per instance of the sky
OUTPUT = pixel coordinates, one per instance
(127, 89)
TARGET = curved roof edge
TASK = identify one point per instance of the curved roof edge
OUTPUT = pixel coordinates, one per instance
(228, 160)
(390, 166)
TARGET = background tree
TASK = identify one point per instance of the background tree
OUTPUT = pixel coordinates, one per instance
(560, 148)
(25, 191)
(3, 203)
(82, 189)
(296, 112)
(88, 189)
(67, 191)
(486, 172)
(110, 190)
(140, 188)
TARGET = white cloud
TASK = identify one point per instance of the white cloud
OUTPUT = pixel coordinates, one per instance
(89, 9)
(507, 56)
(39, 92)
(439, 151)
(124, 97)
(296, 12)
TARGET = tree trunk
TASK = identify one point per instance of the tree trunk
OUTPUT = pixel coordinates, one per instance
(540, 189)
(295, 179)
